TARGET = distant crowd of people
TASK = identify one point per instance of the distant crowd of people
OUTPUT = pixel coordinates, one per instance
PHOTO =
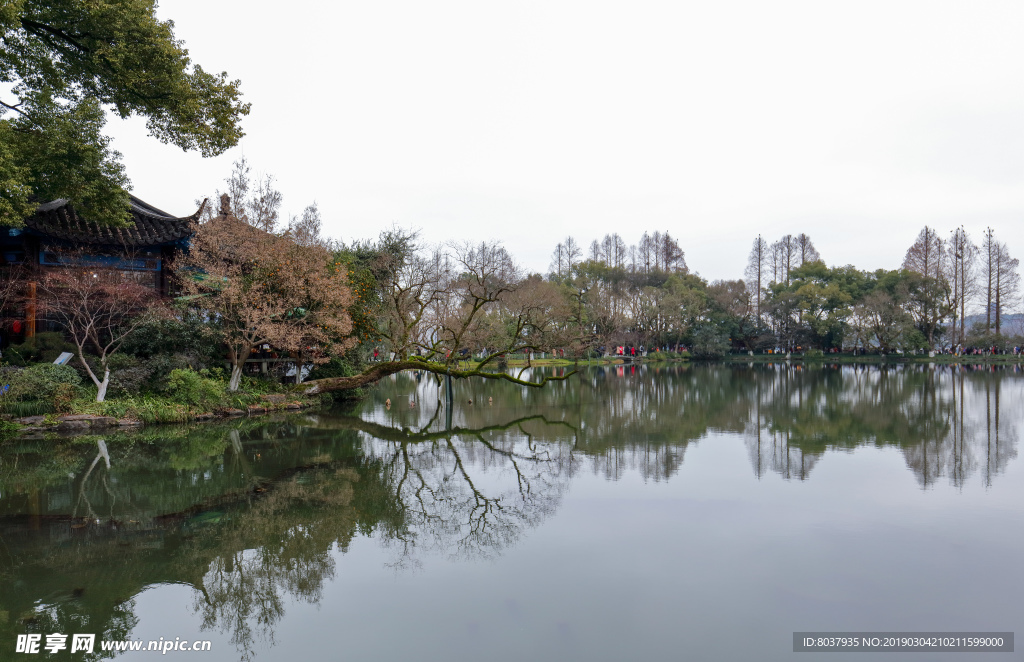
(640, 350)
(960, 350)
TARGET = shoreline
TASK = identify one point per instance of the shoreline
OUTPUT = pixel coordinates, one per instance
(996, 359)
(81, 421)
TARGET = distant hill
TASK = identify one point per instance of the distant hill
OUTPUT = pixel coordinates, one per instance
(1012, 324)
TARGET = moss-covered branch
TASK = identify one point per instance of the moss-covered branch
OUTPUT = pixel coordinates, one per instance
(381, 370)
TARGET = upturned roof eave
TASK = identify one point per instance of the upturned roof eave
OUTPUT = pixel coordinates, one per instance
(150, 227)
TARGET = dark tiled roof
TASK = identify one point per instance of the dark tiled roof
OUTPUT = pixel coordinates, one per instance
(148, 227)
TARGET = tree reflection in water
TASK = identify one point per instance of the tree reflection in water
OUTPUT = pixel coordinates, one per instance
(949, 421)
(466, 492)
(944, 419)
(253, 514)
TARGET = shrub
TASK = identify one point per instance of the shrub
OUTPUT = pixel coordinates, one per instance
(40, 348)
(336, 367)
(39, 389)
(709, 343)
(160, 346)
(196, 389)
(129, 375)
(41, 381)
(814, 354)
(7, 429)
(188, 335)
(63, 396)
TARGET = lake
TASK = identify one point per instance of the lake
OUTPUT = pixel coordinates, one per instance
(700, 512)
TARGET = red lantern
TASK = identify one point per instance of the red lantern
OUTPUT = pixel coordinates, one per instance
(16, 327)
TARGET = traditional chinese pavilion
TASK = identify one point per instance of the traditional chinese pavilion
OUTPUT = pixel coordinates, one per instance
(143, 247)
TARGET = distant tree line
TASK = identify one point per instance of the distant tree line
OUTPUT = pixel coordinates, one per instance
(789, 298)
(252, 282)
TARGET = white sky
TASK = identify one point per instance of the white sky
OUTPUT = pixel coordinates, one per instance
(525, 122)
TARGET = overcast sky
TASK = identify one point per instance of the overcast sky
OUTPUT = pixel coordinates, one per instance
(857, 123)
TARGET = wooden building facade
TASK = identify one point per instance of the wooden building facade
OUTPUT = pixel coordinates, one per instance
(56, 236)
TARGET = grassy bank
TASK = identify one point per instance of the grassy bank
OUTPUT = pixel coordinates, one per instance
(49, 397)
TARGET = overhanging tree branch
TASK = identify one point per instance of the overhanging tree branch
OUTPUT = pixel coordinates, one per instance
(381, 370)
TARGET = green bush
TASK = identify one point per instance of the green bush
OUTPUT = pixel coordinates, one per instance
(40, 348)
(188, 336)
(41, 388)
(152, 410)
(41, 381)
(196, 389)
(336, 367)
(709, 342)
(129, 375)
(160, 346)
(814, 354)
(7, 429)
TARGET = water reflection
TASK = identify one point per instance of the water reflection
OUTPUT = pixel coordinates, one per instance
(269, 504)
(949, 421)
(254, 514)
(932, 414)
(467, 492)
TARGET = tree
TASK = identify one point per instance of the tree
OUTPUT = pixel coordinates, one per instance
(97, 307)
(64, 61)
(646, 253)
(557, 266)
(928, 256)
(305, 230)
(260, 288)
(1001, 280)
(51, 151)
(990, 260)
(1007, 282)
(573, 253)
(963, 256)
(783, 254)
(670, 257)
(885, 317)
(483, 274)
(413, 287)
(756, 265)
(612, 251)
(255, 201)
(790, 253)
(12, 281)
(529, 318)
(708, 342)
(728, 303)
(806, 252)
(566, 255)
(440, 303)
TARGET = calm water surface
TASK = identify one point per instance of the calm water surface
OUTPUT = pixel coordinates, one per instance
(698, 512)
